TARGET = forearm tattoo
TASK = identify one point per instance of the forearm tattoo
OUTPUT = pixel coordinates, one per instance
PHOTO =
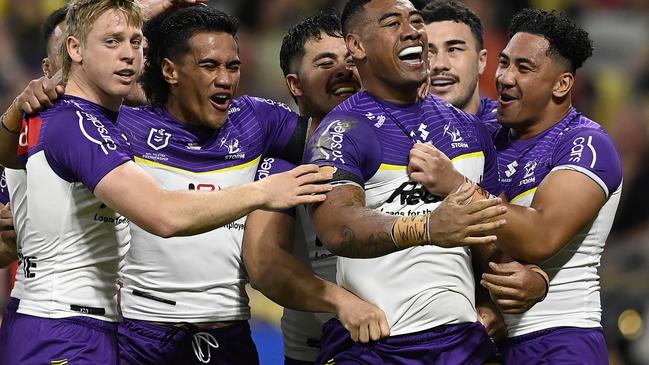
(411, 231)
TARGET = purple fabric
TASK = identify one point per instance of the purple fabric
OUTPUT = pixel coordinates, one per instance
(254, 126)
(4, 191)
(80, 140)
(142, 343)
(463, 344)
(557, 346)
(79, 340)
(573, 142)
(6, 329)
(487, 110)
(364, 132)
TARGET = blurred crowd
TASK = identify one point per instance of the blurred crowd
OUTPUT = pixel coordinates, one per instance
(613, 89)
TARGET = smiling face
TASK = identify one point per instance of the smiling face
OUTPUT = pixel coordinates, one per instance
(204, 80)
(526, 80)
(456, 64)
(390, 47)
(325, 76)
(107, 64)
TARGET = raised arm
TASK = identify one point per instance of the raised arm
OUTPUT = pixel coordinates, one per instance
(274, 271)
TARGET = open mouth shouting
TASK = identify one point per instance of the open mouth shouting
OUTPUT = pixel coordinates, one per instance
(221, 101)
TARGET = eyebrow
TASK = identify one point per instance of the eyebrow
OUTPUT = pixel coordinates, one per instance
(452, 42)
(518, 60)
(322, 55)
(387, 15)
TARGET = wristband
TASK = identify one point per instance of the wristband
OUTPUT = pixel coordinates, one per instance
(546, 279)
(2, 121)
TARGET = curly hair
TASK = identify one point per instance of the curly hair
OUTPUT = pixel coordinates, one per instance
(296, 37)
(451, 10)
(168, 37)
(566, 39)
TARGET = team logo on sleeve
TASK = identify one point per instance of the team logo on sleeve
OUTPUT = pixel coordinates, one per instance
(456, 137)
(158, 138)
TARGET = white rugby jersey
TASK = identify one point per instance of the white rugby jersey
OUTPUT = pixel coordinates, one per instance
(17, 185)
(369, 141)
(198, 278)
(72, 243)
(579, 144)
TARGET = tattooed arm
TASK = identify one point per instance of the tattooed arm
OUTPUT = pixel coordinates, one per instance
(349, 229)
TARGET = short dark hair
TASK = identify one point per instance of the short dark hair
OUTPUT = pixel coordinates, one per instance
(444, 10)
(566, 39)
(168, 37)
(310, 28)
(351, 10)
(52, 20)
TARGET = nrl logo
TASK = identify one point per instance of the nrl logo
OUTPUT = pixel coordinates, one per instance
(158, 138)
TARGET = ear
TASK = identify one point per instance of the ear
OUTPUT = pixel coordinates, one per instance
(75, 49)
(45, 66)
(355, 46)
(169, 71)
(294, 85)
(563, 85)
(482, 61)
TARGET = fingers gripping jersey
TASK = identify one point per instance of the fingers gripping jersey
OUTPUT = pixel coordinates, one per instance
(579, 144)
(369, 140)
(74, 243)
(199, 278)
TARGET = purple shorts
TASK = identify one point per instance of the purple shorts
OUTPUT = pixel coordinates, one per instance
(463, 344)
(559, 345)
(142, 342)
(7, 322)
(74, 340)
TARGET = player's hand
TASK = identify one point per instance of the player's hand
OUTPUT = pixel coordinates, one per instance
(364, 321)
(514, 287)
(454, 223)
(490, 317)
(7, 231)
(39, 94)
(302, 185)
(153, 8)
(431, 168)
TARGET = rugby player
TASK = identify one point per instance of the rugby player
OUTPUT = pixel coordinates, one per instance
(383, 225)
(85, 169)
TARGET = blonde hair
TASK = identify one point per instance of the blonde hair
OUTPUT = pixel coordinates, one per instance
(81, 16)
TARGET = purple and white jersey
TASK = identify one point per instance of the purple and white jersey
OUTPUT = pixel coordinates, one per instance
(368, 140)
(578, 144)
(199, 278)
(302, 330)
(487, 110)
(4, 190)
(75, 242)
(16, 182)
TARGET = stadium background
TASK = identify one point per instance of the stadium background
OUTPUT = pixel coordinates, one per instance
(613, 89)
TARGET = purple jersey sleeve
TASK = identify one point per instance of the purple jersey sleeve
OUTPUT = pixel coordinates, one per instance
(4, 190)
(271, 166)
(80, 147)
(279, 125)
(490, 178)
(349, 145)
(591, 152)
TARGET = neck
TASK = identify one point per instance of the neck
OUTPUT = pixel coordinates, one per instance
(397, 94)
(80, 87)
(473, 105)
(550, 117)
(174, 108)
